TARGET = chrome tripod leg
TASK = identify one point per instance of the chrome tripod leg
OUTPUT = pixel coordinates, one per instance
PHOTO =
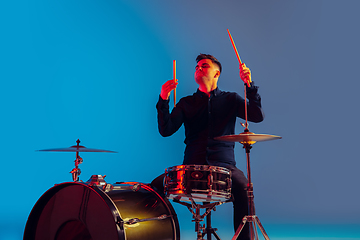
(254, 229)
(261, 228)
(240, 228)
(253, 222)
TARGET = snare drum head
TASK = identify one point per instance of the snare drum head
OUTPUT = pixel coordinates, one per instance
(76, 211)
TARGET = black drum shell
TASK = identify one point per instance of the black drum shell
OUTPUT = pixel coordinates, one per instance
(75, 210)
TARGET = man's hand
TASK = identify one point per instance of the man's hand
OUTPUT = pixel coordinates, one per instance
(167, 88)
(245, 74)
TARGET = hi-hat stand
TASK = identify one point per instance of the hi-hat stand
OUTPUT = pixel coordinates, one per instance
(252, 219)
(247, 139)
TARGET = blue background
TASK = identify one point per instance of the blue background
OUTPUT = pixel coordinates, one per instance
(93, 70)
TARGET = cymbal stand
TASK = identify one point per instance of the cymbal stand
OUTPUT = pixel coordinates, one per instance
(76, 171)
(252, 219)
(194, 208)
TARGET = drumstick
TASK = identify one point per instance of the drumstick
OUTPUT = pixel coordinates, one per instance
(174, 77)
(237, 54)
(248, 82)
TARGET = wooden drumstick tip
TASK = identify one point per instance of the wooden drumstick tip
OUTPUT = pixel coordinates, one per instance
(174, 70)
(233, 44)
(174, 77)
(237, 54)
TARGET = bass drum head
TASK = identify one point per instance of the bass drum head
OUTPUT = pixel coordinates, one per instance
(77, 211)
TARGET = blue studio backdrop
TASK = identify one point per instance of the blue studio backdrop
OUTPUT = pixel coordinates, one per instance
(92, 70)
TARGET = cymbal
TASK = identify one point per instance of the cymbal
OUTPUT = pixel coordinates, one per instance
(76, 148)
(247, 138)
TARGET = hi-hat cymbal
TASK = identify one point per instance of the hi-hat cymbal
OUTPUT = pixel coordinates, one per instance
(76, 148)
(247, 138)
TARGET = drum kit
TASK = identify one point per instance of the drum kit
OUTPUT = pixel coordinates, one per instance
(95, 209)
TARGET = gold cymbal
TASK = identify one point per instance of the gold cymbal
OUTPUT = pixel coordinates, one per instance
(247, 138)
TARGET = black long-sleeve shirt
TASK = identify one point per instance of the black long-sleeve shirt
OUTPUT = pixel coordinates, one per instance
(205, 118)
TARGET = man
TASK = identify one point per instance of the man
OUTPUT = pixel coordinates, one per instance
(207, 114)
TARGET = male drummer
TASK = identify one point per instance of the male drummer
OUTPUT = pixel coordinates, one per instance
(206, 114)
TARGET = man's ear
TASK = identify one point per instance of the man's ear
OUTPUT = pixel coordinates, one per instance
(217, 74)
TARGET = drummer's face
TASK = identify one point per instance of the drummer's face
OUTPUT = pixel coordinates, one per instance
(206, 70)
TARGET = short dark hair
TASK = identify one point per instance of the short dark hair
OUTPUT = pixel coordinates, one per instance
(202, 56)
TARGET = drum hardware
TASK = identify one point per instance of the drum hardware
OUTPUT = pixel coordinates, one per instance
(209, 230)
(247, 139)
(137, 220)
(98, 181)
(75, 172)
(136, 187)
(194, 208)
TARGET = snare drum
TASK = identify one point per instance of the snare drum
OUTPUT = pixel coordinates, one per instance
(84, 211)
(202, 183)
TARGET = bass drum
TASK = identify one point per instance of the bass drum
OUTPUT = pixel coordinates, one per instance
(123, 211)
